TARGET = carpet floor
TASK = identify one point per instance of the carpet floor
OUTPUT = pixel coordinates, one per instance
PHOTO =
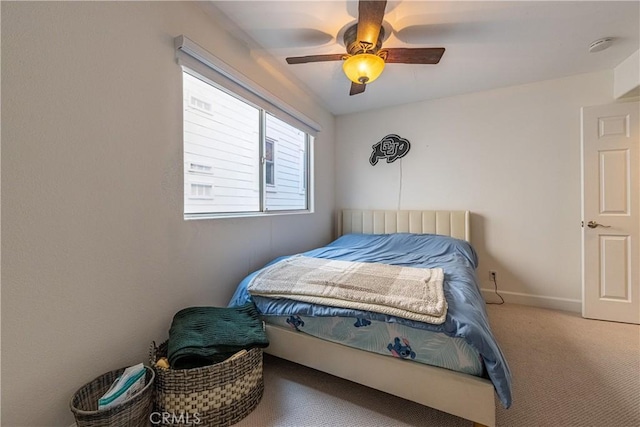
(567, 371)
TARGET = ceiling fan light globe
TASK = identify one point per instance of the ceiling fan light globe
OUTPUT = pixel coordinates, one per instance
(363, 67)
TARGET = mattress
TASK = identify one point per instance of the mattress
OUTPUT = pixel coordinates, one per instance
(466, 317)
(390, 339)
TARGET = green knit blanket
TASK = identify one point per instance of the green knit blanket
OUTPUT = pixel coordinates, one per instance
(201, 336)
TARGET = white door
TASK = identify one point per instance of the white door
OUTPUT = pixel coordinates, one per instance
(610, 212)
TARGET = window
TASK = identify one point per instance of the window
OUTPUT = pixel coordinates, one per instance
(201, 191)
(227, 146)
(245, 151)
(200, 104)
(302, 183)
(200, 168)
(269, 166)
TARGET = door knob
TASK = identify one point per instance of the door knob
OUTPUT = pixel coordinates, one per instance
(593, 224)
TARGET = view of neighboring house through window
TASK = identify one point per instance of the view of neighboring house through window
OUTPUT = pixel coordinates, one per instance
(283, 170)
(239, 158)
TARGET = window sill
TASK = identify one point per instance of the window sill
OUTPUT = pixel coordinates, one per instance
(194, 216)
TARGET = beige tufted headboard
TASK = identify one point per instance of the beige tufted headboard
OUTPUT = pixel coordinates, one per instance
(449, 223)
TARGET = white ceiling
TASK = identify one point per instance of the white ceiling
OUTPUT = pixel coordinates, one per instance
(488, 44)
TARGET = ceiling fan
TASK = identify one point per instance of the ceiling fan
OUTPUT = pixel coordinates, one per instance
(365, 59)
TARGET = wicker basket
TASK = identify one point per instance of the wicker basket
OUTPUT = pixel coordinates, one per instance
(215, 395)
(134, 412)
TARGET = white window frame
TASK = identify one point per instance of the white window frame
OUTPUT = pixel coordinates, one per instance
(202, 64)
(271, 187)
(303, 183)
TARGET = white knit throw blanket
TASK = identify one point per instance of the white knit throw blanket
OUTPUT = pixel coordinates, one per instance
(407, 292)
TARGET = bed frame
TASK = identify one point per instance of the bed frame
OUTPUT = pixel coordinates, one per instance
(459, 394)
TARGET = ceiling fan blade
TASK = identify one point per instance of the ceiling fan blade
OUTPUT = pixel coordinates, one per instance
(291, 37)
(420, 55)
(315, 58)
(357, 88)
(370, 15)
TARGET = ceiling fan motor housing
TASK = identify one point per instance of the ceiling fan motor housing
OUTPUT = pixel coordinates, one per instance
(355, 46)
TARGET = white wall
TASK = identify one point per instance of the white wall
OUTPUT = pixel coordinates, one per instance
(626, 77)
(511, 156)
(96, 256)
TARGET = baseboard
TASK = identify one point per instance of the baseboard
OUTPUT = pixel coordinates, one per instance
(555, 303)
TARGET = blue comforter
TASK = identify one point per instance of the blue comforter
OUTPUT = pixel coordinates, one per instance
(466, 316)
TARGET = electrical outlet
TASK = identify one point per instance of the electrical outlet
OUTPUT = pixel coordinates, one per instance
(493, 274)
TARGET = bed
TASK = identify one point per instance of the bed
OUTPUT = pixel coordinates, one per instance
(469, 394)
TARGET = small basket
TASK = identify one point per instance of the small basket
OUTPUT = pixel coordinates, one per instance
(217, 395)
(133, 412)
